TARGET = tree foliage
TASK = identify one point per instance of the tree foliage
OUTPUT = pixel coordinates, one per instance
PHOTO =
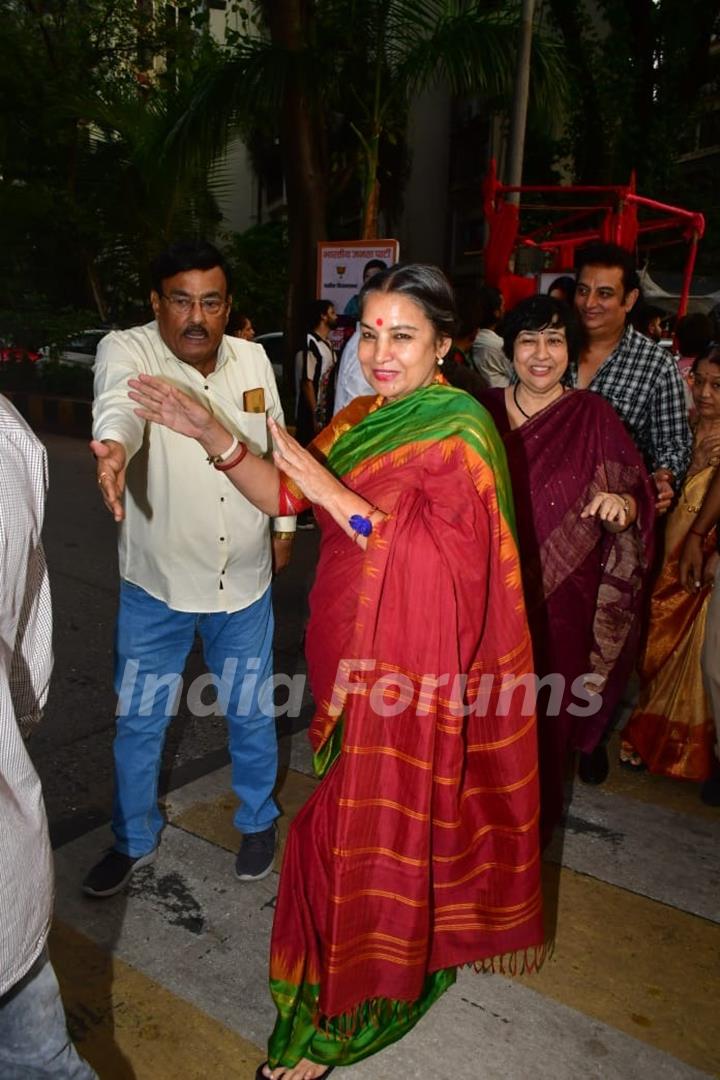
(116, 114)
(640, 73)
(259, 260)
(390, 51)
(88, 186)
(335, 79)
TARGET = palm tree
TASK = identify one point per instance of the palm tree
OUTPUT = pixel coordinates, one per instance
(311, 65)
(395, 49)
(292, 30)
(267, 80)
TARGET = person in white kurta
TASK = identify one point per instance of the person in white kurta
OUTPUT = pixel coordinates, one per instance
(195, 557)
(34, 1040)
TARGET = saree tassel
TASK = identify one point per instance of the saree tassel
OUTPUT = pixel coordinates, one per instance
(342, 1027)
(352, 1022)
(536, 957)
(483, 967)
(525, 962)
(375, 1012)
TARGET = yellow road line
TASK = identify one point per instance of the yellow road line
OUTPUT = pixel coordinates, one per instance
(129, 1027)
(635, 964)
(212, 820)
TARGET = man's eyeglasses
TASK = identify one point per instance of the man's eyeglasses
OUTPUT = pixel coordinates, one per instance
(211, 305)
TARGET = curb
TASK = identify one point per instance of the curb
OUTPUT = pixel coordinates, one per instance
(58, 415)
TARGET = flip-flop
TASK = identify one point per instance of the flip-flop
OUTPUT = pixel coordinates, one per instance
(260, 1075)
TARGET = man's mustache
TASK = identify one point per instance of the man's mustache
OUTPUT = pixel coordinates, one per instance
(194, 329)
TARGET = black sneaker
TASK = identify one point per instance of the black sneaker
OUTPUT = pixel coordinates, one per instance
(256, 855)
(113, 872)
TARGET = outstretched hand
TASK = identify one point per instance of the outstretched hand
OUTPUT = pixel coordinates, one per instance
(111, 460)
(167, 405)
(315, 481)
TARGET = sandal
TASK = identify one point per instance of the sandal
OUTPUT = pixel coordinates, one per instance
(630, 759)
(260, 1075)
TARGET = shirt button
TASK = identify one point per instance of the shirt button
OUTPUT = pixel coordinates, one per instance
(222, 537)
(222, 498)
(207, 387)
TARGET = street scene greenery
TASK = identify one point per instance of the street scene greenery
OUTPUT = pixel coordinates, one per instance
(117, 116)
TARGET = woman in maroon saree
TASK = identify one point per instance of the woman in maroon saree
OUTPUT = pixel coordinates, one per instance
(584, 509)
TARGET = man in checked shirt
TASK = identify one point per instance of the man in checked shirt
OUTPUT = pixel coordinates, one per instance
(641, 381)
(639, 378)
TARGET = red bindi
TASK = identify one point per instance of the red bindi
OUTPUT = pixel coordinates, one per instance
(378, 322)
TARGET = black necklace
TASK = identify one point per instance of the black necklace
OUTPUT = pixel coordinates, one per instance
(515, 390)
(529, 416)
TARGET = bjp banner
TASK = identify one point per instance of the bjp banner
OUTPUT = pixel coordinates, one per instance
(341, 266)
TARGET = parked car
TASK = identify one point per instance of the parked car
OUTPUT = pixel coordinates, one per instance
(15, 354)
(274, 344)
(79, 349)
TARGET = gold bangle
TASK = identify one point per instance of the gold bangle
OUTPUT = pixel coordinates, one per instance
(283, 535)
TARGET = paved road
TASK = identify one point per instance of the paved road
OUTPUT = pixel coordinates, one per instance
(72, 750)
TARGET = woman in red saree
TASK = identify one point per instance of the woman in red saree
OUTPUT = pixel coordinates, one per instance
(419, 851)
(584, 510)
(672, 731)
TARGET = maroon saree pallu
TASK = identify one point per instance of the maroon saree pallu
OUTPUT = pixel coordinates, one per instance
(584, 586)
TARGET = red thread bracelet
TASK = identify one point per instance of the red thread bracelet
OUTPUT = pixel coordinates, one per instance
(225, 466)
(696, 532)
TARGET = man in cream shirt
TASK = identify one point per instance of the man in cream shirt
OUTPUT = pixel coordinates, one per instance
(195, 556)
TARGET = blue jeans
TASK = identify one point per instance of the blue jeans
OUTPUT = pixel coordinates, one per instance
(34, 1040)
(151, 648)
